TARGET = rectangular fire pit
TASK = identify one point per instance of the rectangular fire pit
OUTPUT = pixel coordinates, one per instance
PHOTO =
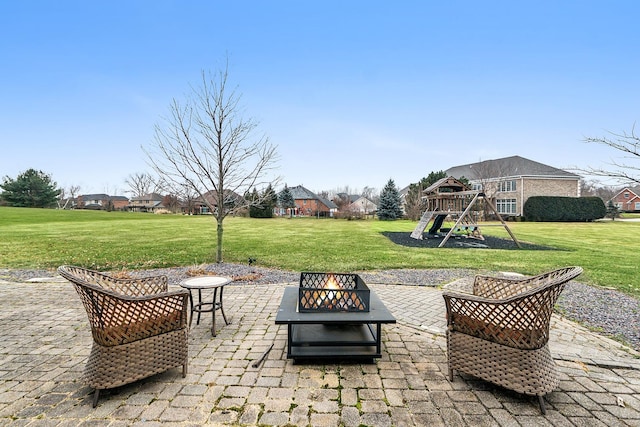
(332, 316)
(329, 292)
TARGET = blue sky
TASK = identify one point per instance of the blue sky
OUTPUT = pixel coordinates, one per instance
(353, 93)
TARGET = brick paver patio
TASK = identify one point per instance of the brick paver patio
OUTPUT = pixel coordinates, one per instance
(45, 339)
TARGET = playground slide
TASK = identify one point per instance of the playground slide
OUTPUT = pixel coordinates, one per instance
(437, 223)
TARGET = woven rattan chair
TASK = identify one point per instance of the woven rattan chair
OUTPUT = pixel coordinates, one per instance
(139, 328)
(500, 333)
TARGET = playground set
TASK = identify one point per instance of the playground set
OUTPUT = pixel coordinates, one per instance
(450, 198)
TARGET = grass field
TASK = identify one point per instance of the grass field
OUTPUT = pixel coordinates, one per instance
(38, 238)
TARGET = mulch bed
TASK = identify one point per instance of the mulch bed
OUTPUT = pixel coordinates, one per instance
(462, 242)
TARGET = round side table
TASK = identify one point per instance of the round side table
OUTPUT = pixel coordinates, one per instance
(206, 282)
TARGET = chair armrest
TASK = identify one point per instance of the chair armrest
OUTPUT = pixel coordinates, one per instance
(117, 319)
(508, 322)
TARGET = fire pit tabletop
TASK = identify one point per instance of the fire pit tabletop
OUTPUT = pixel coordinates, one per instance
(289, 313)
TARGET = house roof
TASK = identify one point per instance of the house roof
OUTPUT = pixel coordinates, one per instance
(328, 203)
(358, 198)
(103, 197)
(449, 184)
(635, 190)
(211, 197)
(513, 166)
(350, 197)
(300, 193)
(94, 196)
(150, 196)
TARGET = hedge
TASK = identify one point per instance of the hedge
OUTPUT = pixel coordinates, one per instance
(564, 209)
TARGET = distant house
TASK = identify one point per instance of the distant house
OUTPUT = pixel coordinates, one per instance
(93, 201)
(359, 204)
(307, 204)
(510, 181)
(628, 199)
(101, 202)
(120, 203)
(210, 198)
(147, 203)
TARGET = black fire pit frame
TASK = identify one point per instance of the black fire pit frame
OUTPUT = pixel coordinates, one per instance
(333, 335)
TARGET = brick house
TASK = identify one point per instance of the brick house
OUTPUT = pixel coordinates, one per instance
(628, 199)
(510, 181)
(307, 204)
(101, 202)
(210, 198)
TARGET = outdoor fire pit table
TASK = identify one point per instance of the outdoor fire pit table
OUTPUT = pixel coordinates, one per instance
(334, 330)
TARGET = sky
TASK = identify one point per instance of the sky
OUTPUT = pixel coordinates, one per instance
(352, 93)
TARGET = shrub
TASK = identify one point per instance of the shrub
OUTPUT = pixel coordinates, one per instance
(162, 212)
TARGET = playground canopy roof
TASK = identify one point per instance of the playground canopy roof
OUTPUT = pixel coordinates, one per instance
(446, 185)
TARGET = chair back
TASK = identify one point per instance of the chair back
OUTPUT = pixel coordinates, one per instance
(122, 310)
(534, 307)
(517, 313)
(129, 287)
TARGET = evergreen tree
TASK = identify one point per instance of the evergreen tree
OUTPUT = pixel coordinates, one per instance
(612, 211)
(262, 205)
(389, 207)
(270, 197)
(286, 199)
(31, 189)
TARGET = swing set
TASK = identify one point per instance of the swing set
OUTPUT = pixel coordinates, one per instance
(450, 198)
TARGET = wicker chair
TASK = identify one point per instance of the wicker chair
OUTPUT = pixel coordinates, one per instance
(139, 328)
(500, 333)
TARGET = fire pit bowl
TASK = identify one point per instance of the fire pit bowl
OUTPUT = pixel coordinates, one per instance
(326, 292)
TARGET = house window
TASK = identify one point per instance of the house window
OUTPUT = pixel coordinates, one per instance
(626, 195)
(507, 186)
(637, 206)
(476, 187)
(506, 206)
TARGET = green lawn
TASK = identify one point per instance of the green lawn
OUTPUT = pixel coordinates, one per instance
(38, 238)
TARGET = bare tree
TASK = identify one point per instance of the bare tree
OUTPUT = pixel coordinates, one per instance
(488, 174)
(626, 143)
(171, 202)
(68, 196)
(342, 201)
(368, 193)
(141, 183)
(595, 189)
(208, 146)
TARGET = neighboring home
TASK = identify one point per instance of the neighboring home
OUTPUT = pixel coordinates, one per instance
(102, 202)
(510, 181)
(148, 203)
(231, 199)
(628, 199)
(307, 204)
(120, 203)
(360, 204)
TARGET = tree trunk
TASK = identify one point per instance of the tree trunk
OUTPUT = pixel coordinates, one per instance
(219, 247)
